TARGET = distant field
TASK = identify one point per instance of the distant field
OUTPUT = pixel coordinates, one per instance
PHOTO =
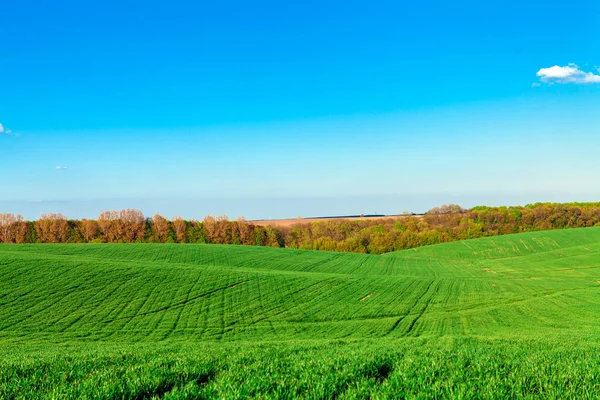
(293, 221)
(509, 316)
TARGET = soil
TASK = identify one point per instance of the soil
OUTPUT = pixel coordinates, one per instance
(294, 221)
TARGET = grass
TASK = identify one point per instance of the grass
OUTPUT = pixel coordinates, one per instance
(504, 317)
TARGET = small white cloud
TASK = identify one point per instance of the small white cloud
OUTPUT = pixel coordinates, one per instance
(61, 167)
(5, 131)
(567, 74)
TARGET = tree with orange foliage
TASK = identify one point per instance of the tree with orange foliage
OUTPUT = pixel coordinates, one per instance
(108, 223)
(244, 230)
(133, 224)
(6, 225)
(223, 229)
(89, 229)
(210, 228)
(217, 230)
(52, 228)
(180, 228)
(21, 228)
(160, 227)
(10, 227)
(126, 225)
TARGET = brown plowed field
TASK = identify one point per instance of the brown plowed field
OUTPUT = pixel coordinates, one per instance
(293, 221)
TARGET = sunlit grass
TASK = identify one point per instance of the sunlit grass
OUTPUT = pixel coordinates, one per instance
(509, 316)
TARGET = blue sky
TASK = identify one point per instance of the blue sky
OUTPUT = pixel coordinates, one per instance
(277, 109)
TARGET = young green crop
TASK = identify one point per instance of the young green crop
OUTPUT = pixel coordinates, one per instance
(483, 318)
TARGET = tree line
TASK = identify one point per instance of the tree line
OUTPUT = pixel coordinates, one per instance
(439, 225)
(376, 236)
(131, 226)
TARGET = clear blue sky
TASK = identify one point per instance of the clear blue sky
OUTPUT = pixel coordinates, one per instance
(279, 109)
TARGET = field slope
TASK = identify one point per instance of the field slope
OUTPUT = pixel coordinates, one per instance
(229, 321)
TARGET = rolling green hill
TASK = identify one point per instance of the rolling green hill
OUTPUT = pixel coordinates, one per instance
(321, 324)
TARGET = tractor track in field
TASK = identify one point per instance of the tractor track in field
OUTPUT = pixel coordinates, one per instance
(393, 328)
(398, 297)
(151, 293)
(48, 298)
(503, 302)
(423, 310)
(285, 310)
(279, 311)
(175, 305)
(178, 318)
(142, 305)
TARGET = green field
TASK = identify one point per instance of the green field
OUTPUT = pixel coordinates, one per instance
(510, 316)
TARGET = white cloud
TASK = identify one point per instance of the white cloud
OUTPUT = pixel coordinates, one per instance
(61, 167)
(567, 74)
(4, 131)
